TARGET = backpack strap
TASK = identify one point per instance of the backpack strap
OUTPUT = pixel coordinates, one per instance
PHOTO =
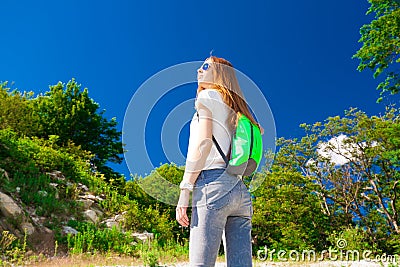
(252, 138)
(220, 151)
(218, 146)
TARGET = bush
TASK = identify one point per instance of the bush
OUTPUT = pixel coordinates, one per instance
(91, 238)
(351, 238)
(150, 220)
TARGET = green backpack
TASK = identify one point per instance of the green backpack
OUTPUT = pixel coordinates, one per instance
(246, 148)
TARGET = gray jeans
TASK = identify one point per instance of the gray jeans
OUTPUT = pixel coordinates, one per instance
(221, 208)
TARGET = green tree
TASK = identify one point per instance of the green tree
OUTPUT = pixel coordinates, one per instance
(15, 112)
(355, 163)
(160, 187)
(69, 113)
(287, 214)
(162, 183)
(156, 194)
(381, 44)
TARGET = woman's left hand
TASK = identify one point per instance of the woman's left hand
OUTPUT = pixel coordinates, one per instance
(181, 209)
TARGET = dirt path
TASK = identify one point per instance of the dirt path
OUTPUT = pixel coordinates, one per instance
(102, 261)
(289, 264)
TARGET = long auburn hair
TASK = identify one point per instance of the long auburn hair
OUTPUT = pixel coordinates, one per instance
(226, 83)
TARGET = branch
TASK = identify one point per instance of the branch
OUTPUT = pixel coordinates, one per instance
(366, 197)
(324, 204)
(394, 208)
(384, 210)
(363, 219)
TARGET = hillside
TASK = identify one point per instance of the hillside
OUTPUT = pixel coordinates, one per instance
(57, 194)
(53, 203)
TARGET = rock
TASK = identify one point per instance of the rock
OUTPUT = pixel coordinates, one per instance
(83, 187)
(98, 212)
(118, 218)
(145, 236)
(91, 216)
(5, 225)
(38, 220)
(35, 219)
(28, 227)
(89, 196)
(110, 223)
(56, 175)
(53, 185)
(8, 206)
(69, 230)
(87, 203)
(94, 198)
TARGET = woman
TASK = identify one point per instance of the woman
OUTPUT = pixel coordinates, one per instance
(221, 203)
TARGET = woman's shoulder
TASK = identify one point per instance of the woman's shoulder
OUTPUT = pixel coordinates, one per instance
(209, 94)
(211, 99)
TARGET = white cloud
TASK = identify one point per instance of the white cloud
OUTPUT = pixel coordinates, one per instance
(336, 150)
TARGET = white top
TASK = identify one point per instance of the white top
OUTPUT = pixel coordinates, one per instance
(213, 101)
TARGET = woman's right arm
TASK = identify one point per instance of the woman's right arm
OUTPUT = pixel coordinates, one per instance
(200, 143)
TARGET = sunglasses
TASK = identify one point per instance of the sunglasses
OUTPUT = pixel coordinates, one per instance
(205, 66)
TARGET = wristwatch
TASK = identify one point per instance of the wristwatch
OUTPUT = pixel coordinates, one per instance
(186, 185)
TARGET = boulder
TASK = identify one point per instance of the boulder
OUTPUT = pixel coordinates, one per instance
(110, 223)
(119, 217)
(87, 203)
(8, 207)
(28, 227)
(56, 175)
(83, 187)
(145, 236)
(69, 230)
(91, 216)
(89, 197)
(99, 213)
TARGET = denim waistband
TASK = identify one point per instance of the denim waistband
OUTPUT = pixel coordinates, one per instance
(208, 176)
(204, 174)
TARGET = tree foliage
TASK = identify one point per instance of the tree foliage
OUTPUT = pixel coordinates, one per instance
(66, 114)
(159, 191)
(352, 165)
(381, 44)
(287, 214)
(69, 112)
(15, 112)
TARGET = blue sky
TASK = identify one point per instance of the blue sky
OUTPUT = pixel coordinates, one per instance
(299, 53)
